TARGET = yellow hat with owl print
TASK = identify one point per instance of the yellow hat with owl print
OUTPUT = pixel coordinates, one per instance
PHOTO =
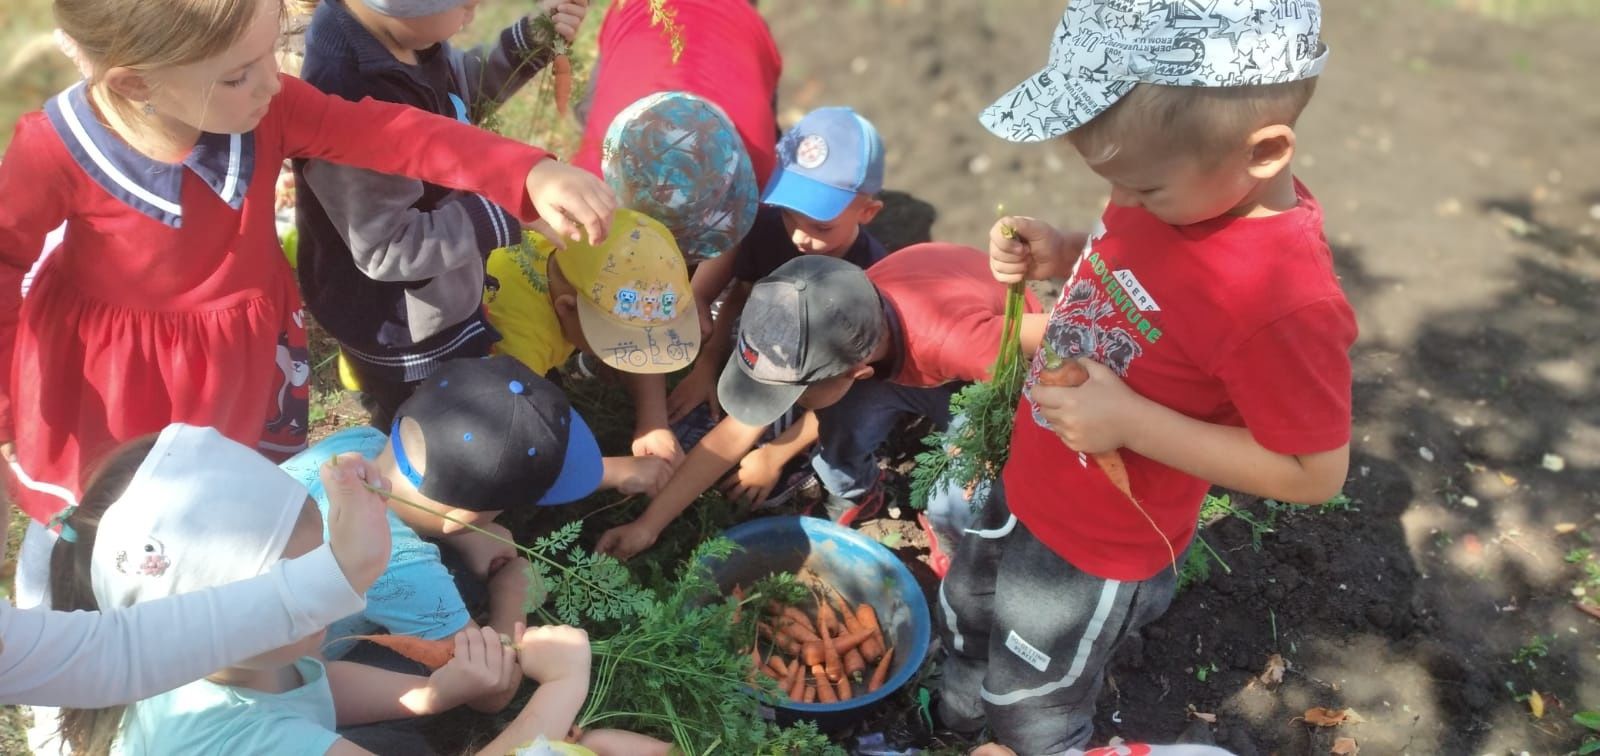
(634, 302)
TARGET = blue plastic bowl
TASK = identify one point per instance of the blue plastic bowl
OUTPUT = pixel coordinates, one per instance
(860, 569)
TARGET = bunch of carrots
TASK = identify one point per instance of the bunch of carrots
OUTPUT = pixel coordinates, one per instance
(825, 657)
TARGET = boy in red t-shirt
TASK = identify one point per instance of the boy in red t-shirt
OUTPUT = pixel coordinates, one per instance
(1206, 310)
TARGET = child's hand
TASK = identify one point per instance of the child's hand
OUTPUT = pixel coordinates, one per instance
(636, 475)
(1095, 417)
(358, 523)
(624, 541)
(1034, 250)
(696, 388)
(571, 200)
(554, 652)
(483, 554)
(754, 480)
(482, 665)
(567, 16)
(658, 442)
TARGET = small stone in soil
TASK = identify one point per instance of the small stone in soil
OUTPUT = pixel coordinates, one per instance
(1553, 463)
(1425, 453)
(1469, 502)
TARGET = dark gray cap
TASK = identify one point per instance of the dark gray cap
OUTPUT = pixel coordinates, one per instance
(814, 318)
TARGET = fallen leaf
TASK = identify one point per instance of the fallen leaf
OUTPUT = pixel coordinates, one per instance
(1321, 717)
(1588, 608)
(1204, 716)
(1553, 463)
(1345, 747)
(1511, 482)
(1273, 674)
(1563, 528)
(1536, 704)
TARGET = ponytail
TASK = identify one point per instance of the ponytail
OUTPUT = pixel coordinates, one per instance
(91, 731)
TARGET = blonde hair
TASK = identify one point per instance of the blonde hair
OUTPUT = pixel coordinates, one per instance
(149, 35)
(1206, 122)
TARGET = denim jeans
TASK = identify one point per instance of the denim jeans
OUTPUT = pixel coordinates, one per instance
(850, 432)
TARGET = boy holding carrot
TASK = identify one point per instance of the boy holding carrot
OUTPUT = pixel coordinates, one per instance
(1204, 309)
(393, 267)
(860, 349)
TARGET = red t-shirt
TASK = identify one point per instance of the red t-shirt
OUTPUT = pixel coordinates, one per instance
(951, 312)
(1235, 321)
(729, 58)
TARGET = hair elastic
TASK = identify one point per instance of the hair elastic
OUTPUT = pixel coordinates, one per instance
(59, 522)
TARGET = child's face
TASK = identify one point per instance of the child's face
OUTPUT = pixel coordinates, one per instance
(564, 298)
(228, 93)
(423, 32)
(832, 237)
(1178, 189)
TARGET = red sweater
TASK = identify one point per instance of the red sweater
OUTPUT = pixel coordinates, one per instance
(170, 299)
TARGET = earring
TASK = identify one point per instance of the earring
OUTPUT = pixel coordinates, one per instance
(149, 109)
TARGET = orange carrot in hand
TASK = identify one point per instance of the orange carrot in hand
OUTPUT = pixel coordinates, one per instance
(880, 674)
(432, 654)
(561, 75)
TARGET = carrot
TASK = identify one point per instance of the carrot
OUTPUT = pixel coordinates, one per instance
(561, 70)
(827, 618)
(851, 642)
(812, 652)
(844, 688)
(432, 654)
(810, 695)
(868, 617)
(738, 603)
(782, 641)
(1070, 374)
(881, 673)
(767, 669)
(799, 621)
(819, 672)
(775, 663)
(797, 682)
(851, 624)
(830, 657)
(855, 665)
(825, 693)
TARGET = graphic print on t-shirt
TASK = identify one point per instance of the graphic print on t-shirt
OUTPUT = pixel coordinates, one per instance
(1104, 314)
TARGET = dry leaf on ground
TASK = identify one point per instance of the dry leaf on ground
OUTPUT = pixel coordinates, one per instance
(1345, 747)
(1273, 673)
(1203, 716)
(1323, 717)
(1536, 704)
(1563, 528)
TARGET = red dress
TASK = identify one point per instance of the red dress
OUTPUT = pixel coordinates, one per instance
(169, 299)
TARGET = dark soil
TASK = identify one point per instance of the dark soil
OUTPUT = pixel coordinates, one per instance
(1454, 158)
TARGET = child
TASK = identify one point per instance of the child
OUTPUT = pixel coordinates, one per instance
(392, 267)
(53, 658)
(170, 298)
(627, 303)
(1206, 310)
(860, 348)
(818, 204)
(191, 509)
(416, 594)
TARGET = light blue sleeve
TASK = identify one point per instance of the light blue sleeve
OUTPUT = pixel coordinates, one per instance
(416, 594)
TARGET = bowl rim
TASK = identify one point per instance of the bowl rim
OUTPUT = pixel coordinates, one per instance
(918, 605)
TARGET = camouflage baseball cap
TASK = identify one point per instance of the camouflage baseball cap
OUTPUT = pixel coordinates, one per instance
(677, 158)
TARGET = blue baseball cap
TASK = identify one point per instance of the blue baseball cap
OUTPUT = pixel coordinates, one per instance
(497, 436)
(824, 161)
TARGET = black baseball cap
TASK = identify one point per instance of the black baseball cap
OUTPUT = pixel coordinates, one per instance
(814, 318)
(497, 437)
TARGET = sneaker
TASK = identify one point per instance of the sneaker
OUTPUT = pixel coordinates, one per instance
(871, 504)
(694, 426)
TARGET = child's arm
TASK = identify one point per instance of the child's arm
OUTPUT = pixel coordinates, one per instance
(362, 694)
(406, 141)
(706, 463)
(558, 658)
(759, 470)
(1104, 414)
(36, 200)
(651, 436)
(1033, 325)
(700, 385)
(490, 74)
(635, 475)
